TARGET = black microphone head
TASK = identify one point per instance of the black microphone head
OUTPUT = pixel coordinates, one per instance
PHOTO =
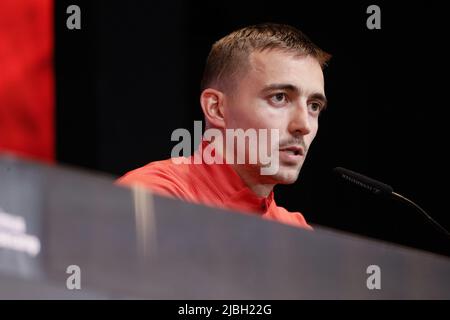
(376, 187)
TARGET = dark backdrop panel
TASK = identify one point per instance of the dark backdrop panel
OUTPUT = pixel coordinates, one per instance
(131, 76)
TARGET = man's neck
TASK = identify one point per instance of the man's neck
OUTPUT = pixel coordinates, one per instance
(260, 189)
(249, 175)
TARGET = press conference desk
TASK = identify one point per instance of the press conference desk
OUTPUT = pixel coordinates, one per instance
(131, 244)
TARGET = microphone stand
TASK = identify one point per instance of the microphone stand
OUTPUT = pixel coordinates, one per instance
(435, 224)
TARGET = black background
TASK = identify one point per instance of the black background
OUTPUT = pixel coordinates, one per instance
(131, 76)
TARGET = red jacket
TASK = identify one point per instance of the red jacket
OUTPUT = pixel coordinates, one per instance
(216, 185)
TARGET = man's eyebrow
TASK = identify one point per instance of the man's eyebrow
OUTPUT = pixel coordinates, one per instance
(295, 89)
(280, 86)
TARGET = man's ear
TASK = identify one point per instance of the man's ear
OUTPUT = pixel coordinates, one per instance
(212, 102)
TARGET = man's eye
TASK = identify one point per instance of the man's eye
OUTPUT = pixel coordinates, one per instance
(315, 107)
(278, 98)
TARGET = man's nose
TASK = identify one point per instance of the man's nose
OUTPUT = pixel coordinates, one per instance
(299, 120)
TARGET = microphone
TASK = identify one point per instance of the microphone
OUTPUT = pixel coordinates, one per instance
(381, 189)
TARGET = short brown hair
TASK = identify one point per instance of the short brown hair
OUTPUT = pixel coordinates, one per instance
(230, 54)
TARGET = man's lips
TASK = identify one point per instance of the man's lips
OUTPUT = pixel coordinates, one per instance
(293, 150)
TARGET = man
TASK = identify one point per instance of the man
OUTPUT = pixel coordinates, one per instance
(267, 76)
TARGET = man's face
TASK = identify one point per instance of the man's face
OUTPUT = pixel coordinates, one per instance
(279, 91)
